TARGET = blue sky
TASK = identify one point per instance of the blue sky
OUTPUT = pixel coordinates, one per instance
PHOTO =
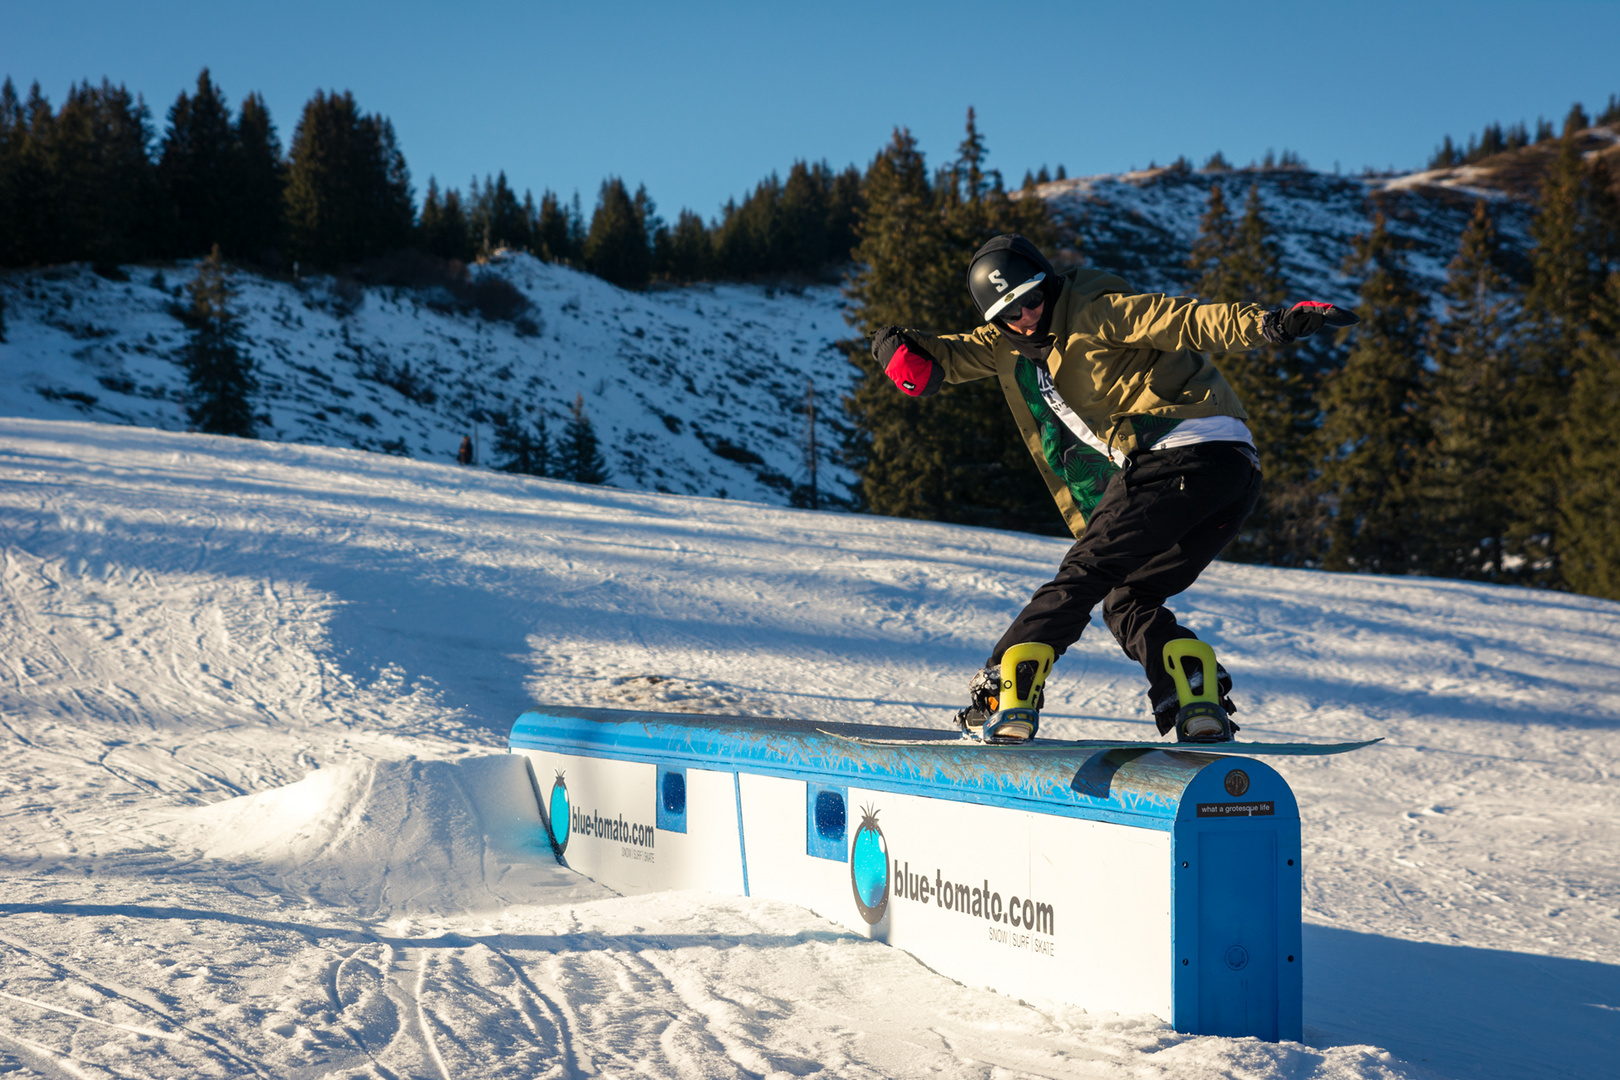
(700, 100)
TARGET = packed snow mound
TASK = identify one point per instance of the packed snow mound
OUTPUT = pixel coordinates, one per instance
(408, 837)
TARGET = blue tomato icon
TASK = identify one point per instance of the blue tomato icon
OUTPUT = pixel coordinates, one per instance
(869, 868)
(557, 811)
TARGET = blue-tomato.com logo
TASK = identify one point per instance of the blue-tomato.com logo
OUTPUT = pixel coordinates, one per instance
(869, 868)
(557, 810)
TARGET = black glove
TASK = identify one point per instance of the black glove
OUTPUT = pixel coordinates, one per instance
(885, 341)
(1283, 324)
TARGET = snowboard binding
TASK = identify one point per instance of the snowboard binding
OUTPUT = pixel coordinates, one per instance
(1006, 707)
(1200, 718)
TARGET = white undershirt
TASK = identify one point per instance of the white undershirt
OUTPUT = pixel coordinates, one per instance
(1206, 429)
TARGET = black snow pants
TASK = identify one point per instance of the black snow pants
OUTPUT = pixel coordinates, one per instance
(1161, 520)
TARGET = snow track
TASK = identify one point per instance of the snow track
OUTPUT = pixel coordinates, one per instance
(255, 820)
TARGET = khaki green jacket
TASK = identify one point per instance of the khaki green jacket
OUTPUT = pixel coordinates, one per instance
(1118, 355)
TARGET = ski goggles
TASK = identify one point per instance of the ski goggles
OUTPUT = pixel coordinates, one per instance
(1015, 307)
(1012, 307)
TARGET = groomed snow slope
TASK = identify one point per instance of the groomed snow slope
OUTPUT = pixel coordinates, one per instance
(255, 821)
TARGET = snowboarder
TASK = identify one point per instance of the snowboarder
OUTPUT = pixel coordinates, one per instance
(1141, 442)
(464, 455)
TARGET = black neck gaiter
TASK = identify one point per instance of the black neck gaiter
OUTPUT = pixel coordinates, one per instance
(1040, 342)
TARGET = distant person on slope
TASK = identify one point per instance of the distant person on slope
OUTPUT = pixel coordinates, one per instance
(1141, 441)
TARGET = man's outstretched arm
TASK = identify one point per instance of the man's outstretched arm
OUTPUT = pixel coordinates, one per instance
(919, 364)
(1170, 323)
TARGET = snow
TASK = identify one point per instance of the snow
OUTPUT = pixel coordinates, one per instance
(255, 818)
(1470, 180)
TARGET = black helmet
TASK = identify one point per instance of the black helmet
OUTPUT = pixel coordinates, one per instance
(1005, 269)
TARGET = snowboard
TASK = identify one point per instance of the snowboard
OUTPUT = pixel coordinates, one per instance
(1234, 747)
(1103, 746)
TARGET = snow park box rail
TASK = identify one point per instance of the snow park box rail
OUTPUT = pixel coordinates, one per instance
(1162, 881)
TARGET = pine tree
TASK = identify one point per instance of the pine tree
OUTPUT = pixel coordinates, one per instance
(904, 451)
(1372, 430)
(1589, 505)
(429, 220)
(804, 227)
(846, 200)
(1241, 264)
(255, 229)
(197, 169)
(220, 375)
(1446, 156)
(748, 239)
(576, 229)
(1563, 276)
(1604, 227)
(1567, 264)
(13, 130)
(348, 194)
(803, 219)
(100, 181)
(526, 447)
(970, 181)
(686, 253)
(531, 223)
(29, 230)
(443, 229)
(956, 456)
(578, 455)
(904, 255)
(498, 219)
(617, 248)
(553, 233)
(1468, 498)
(1210, 249)
(651, 224)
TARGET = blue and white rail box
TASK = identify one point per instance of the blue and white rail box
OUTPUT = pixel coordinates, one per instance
(1160, 881)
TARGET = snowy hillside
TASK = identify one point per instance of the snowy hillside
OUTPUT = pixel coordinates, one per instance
(1142, 225)
(695, 391)
(699, 390)
(255, 819)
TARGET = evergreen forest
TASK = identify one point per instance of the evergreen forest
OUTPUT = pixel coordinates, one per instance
(1468, 435)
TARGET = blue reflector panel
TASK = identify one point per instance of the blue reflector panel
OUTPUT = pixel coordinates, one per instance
(826, 826)
(672, 799)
